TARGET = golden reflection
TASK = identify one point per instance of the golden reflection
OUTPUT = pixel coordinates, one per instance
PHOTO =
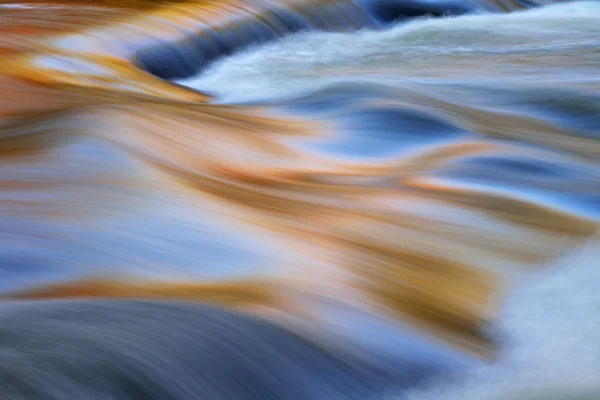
(387, 233)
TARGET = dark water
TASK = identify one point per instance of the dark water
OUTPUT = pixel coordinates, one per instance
(299, 199)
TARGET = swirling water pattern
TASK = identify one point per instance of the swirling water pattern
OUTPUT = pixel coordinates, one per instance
(351, 204)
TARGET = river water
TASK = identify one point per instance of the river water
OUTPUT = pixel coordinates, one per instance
(299, 199)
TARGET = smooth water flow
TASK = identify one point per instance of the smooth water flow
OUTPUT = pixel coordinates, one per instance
(299, 200)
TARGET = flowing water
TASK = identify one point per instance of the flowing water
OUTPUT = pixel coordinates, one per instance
(299, 199)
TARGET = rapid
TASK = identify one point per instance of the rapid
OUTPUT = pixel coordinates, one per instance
(299, 199)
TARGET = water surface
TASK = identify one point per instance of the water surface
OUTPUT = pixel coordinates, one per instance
(351, 186)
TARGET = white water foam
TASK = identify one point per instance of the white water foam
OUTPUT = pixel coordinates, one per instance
(549, 333)
(424, 50)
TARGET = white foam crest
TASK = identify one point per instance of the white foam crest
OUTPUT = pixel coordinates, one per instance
(307, 61)
(550, 340)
